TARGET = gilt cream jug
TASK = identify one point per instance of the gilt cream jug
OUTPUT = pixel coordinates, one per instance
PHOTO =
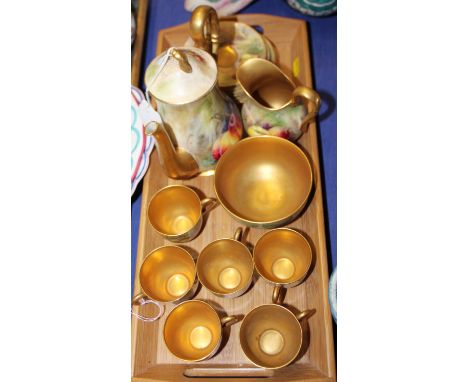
(272, 103)
(193, 122)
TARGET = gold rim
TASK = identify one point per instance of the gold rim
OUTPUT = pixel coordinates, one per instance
(290, 102)
(283, 229)
(282, 220)
(217, 293)
(219, 339)
(300, 344)
(186, 293)
(161, 190)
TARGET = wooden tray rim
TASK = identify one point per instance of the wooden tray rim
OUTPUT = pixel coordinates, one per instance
(318, 195)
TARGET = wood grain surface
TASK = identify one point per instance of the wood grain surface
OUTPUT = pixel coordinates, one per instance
(151, 359)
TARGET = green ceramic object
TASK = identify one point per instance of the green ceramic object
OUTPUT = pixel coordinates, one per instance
(314, 7)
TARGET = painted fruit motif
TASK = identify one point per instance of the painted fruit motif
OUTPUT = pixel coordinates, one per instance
(232, 133)
(205, 128)
(284, 123)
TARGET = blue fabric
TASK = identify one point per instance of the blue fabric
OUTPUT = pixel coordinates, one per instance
(322, 42)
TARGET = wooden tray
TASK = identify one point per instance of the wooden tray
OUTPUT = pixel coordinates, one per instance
(151, 360)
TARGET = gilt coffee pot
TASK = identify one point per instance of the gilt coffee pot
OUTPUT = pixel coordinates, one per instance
(193, 122)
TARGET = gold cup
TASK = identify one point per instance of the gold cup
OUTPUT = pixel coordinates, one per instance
(271, 335)
(225, 267)
(282, 257)
(271, 89)
(263, 181)
(167, 275)
(193, 330)
(176, 212)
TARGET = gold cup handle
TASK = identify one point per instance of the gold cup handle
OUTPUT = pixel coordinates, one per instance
(208, 204)
(277, 294)
(303, 314)
(238, 234)
(142, 299)
(228, 320)
(204, 28)
(311, 96)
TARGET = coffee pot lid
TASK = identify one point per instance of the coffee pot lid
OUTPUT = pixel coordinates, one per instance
(181, 75)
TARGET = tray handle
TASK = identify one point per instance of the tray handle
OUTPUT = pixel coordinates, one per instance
(227, 372)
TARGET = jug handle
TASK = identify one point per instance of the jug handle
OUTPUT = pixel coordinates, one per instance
(312, 97)
(204, 28)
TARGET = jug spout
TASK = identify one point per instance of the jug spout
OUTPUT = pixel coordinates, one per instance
(176, 162)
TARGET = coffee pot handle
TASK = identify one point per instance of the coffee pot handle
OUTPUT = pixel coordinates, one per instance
(141, 299)
(204, 28)
(312, 97)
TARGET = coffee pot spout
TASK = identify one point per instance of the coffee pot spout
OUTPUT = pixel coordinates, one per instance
(176, 162)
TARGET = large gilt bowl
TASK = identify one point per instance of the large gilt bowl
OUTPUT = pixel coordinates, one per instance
(263, 181)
